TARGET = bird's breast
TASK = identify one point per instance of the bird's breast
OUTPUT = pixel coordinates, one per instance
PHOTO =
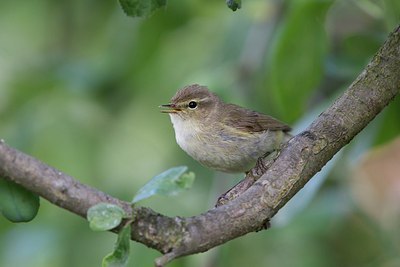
(222, 148)
(186, 133)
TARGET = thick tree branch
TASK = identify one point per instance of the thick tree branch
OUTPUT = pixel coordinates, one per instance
(303, 156)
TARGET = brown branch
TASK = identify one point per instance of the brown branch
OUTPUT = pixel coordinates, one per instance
(303, 156)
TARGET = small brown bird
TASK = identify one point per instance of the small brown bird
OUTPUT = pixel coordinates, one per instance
(223, 137)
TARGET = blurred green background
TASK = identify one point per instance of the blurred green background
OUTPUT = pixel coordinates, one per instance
(80, 85)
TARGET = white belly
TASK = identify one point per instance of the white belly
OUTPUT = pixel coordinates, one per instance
(224, 151)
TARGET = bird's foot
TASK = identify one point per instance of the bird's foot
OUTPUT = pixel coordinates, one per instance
(263, 164)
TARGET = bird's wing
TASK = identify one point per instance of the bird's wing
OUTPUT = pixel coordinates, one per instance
(251, 121)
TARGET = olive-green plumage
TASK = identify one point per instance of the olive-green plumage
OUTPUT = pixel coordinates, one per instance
(221, 136)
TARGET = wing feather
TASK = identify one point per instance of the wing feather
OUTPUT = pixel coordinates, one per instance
(252, 121)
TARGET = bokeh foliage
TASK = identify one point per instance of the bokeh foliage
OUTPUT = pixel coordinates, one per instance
(80, 83)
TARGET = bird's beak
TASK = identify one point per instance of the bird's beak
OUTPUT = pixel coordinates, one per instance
(170, 108)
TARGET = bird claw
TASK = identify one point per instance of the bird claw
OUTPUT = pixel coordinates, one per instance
(263, 164)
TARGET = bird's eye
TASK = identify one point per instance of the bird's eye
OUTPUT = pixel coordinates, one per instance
(192, 104)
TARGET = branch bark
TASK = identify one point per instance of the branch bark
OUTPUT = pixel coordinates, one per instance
(302, 157)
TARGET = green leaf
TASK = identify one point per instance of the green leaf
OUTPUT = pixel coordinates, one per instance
(104, 216)
(119, 257)
(186, 180)
(298, 56)
(168, 183)
(17, 204)
(141, 8)
(234, 4)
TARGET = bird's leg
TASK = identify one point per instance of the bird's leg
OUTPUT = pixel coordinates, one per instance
(262, 165)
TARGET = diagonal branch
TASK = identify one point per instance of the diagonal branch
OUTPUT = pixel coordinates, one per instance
(303, 156)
